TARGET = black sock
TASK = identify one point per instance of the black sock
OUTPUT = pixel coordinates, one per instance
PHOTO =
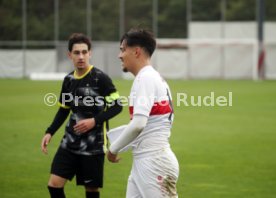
(92, 194)
(56, 192)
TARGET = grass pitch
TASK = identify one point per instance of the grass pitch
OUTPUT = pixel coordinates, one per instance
(223, 152)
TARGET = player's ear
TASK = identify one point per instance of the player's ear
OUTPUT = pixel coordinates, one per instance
(69, 54)
(137, 51)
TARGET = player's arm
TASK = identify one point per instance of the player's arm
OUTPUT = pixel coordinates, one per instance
(133, 129)
(114, 107)
(141, 113)
(87, 124)
(59, 119)
(64, 108)
(112, 101)
(111, 97)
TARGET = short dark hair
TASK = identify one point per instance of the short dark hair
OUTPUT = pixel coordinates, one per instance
(78, 38)
(140, 37)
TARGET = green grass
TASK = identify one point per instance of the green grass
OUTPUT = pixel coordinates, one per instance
(223, 152)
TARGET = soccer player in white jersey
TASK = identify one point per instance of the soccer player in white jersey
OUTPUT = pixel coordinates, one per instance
(155, 168)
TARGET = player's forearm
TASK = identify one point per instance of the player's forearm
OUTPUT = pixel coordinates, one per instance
(58, 120)
(133, 129)
(109, 113)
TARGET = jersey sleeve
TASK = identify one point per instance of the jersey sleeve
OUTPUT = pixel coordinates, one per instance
(107, 89)
(59, 119)
(144, 96)
(65, 96)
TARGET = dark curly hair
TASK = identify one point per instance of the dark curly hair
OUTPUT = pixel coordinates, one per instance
(140, 37)
(78, 38)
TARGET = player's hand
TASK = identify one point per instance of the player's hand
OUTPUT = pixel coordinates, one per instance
(45, 141)
(85, 125)
(113, 157)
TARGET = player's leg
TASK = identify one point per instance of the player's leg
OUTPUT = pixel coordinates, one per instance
(157, 175)
(90, 174)
(169, 172)
(132, 189)
(63, 168)
(56, 181)
(56, 186)
(145, 179)
(91, 192)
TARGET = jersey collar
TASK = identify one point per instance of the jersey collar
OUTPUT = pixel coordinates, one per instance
(80, 77)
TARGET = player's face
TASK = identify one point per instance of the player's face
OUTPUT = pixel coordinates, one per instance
(80, 55)
(127, 56)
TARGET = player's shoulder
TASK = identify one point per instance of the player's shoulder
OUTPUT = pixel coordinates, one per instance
(97, 71)
(148, 74)
(102, 79)
(69, 76)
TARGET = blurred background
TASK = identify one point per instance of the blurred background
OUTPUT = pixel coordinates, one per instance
(197, 39)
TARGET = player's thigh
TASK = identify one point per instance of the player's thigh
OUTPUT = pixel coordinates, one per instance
(64, 164)
(165, 174)
(132, 189)
(90, 171)
(157, 176)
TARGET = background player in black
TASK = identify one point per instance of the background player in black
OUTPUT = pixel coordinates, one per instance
(92, 99)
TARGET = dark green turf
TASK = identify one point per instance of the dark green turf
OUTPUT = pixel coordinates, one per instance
(223, 152)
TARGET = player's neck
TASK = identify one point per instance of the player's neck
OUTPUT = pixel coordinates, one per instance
(81, 71)
(140, 65)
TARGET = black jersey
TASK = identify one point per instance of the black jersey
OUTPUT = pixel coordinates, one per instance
(86, 96)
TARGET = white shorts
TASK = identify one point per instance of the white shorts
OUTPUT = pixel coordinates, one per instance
(154, 176)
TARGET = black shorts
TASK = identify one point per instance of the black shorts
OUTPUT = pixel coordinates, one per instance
(87, 168)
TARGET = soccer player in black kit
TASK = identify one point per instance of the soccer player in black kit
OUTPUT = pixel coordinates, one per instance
(92, 99)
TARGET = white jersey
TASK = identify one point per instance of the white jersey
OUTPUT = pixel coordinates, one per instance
(150, 96)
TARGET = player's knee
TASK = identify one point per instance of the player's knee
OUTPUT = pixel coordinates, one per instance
(56, 181)
(91, 189)
(54, 185)
(92, 192)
